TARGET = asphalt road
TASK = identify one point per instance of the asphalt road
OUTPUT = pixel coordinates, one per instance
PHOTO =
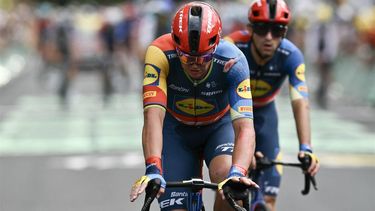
(43, 184)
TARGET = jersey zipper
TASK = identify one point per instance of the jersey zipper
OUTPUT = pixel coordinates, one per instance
(195, 84)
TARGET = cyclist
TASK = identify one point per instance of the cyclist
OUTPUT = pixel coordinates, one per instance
(271, 58)
(197, 104)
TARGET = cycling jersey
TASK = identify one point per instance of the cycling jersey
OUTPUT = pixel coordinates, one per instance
(226, 87)
(267, 80)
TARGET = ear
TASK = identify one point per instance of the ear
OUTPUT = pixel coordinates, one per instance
(249, 28)
(286, 31)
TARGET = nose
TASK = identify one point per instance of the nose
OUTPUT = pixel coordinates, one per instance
(269, 35)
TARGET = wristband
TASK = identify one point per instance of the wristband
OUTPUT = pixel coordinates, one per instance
(237, 171)
(305, 147)
(153, 165)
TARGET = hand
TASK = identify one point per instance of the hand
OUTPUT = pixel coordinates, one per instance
(140, 185)
(236, 174)
(314, 166)
(258, 155)
(244, 180)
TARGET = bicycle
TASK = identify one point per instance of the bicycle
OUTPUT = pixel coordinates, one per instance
(257, 200)
(232, 191)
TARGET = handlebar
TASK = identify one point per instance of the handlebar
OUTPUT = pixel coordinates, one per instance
(305, 162)
(232, 191)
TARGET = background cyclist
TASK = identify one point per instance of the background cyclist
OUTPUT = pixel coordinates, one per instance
(272, 58)
(197, 104)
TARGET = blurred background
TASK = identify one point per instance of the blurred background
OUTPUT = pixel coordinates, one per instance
(71, 103)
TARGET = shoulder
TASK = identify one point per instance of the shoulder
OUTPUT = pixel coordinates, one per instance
(287, 48)
(227, 49)
(239, 36)
(164, 42)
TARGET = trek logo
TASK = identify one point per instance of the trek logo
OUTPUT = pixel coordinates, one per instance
(227, 147)
(271, 190)
(150, 76)
(194, 106)
(180, 21)
(209, 22)
(244, 90)
(171, 202)
(219, 61)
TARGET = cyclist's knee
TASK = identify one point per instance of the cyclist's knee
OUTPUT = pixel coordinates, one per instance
(270, 201)
(219, 167)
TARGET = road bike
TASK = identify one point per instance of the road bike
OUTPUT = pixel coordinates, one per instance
(233, 193)
(257, 199)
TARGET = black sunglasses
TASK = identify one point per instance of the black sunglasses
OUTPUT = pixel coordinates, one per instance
(277, 30)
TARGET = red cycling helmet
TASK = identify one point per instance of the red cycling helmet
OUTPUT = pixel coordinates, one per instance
(196, 28)
(275, 11)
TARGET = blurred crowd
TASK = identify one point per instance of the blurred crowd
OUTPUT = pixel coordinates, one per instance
(112, 39)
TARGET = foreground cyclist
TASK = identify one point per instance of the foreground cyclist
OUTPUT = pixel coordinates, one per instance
(272, 58)
(197, 106)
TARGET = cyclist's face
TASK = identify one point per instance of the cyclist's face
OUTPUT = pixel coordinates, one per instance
(196, 66)
(267, 37)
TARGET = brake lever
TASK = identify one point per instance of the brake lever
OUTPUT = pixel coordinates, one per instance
(152, 190)
(263, 163)
(306, 162)
(237, 191)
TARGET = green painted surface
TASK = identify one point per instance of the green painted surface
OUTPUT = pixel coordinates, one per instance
(38, 125)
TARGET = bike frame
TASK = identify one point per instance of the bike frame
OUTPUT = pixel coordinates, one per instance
(195, 201)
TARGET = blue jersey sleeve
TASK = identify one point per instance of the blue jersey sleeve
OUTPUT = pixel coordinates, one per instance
(239, 88)
(295, 67)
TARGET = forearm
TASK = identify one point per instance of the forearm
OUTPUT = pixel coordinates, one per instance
(244, 146)
(152, 134)
(301, 111)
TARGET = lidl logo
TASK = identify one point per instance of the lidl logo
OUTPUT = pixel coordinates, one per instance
(260, 88)
(300, 72)
(150, 75)
(149, 94)
(194, 106)
(244, 90)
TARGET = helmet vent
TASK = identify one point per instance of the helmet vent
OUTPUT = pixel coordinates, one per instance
(212, 40)
(286, 15)
(196, 11)
(195, 23)
(176, 39)
(194, 41)
(272, 6)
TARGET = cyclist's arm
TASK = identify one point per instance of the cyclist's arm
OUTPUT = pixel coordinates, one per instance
(244, 145)
(242, 113)
(154, 101)
(152, 137)
(300, 106)
(301, 114)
